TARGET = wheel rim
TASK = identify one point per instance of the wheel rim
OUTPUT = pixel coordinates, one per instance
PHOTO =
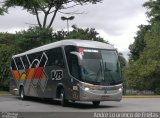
(61, 97)
(22, 94)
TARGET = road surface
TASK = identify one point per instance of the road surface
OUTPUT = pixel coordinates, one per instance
(14, 104)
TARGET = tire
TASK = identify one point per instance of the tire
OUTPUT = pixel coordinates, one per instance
(96, 103)
(63, 99)
(22, 94)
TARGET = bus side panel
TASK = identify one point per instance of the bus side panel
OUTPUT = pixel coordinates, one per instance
(54, 79)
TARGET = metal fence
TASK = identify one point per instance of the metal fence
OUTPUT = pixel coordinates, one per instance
(138, 92)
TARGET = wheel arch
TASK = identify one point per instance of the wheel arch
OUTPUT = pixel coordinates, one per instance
(20, 87)
(60, 86)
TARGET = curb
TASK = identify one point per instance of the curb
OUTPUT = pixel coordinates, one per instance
(156, 96)
(5, 94)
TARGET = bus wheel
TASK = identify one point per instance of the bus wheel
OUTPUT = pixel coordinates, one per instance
(63, 99)
(21, 93)
(96, 103)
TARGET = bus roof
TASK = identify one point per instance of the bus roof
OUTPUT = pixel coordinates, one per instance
(74, 42)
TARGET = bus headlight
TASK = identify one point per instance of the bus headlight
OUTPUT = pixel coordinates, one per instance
(87, 86)
(86, 89)
(120, 89)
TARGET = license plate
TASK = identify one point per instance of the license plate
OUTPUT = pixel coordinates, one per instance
(104, 97)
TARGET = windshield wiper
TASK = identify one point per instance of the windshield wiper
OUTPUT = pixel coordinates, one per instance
(109, 72)
(99, 70)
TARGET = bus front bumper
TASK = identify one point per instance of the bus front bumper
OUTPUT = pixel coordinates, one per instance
(87, 95)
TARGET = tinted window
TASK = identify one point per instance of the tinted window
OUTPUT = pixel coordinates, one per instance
(72, 60)
(55, 57)
(19, 63)
(25, 61)
(13, 65)
(34, 59)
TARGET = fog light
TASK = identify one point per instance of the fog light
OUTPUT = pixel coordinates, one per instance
(86, 89)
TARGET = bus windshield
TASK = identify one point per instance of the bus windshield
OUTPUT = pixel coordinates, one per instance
(100, 67)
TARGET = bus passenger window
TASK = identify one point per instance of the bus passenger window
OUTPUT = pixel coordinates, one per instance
(13, 65)
(55, 57)
(25, 62)
(19, 63)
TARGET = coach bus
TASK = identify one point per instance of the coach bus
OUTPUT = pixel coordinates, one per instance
(68, 70)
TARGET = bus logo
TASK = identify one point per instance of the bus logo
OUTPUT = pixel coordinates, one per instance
(57, 74)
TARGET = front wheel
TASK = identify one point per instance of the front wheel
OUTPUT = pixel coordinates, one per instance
(63, 99)
(96, 103)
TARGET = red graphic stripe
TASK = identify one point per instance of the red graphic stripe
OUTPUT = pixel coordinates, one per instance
(38, 73)
(16, 74)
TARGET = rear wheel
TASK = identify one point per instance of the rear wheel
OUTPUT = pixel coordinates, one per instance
(96, 103)
(21, 93)
(63, 99)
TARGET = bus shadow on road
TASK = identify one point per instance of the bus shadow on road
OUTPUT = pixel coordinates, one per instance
(78, 105)
(87, 105)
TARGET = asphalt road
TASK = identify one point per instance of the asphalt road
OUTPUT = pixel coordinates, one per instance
(14, 104)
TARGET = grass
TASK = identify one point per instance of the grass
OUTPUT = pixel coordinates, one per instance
(141, 96)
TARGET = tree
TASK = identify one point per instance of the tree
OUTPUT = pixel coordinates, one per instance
(3, 9)
(48, 8)
(123, 64)
(137, 47)
(123, 61)
(33, 37)
(79, 33)
(86, 34)
(7, 49)
(153, 12)
(144, 71)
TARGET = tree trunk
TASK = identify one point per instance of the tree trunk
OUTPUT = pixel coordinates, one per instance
(37, 16)
(53, 17)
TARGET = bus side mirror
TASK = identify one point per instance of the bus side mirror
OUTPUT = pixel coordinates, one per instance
(80, 57)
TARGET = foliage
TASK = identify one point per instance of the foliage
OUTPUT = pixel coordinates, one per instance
(144, 70)
(7, 49)
(137, 47)
(153, 7)
(86, 34)
(32, 38)
(79, 33)
(48, 8)
(3, 9)
(123, 61)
